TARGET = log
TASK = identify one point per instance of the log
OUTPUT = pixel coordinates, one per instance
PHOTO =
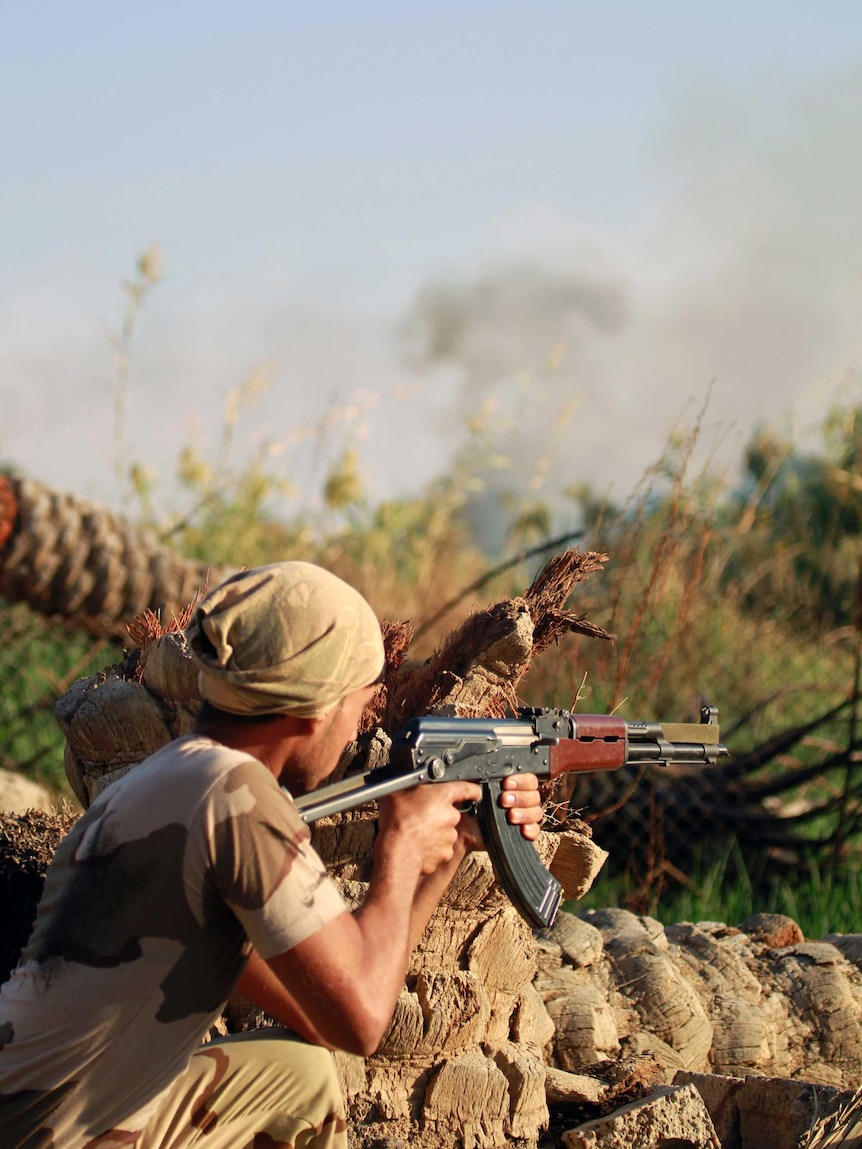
(704, 998)
(669, 1115)
(76, 561)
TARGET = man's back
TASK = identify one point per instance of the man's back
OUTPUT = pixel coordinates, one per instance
(142, 933)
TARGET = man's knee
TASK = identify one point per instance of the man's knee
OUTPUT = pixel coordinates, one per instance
(265, 1083)
(304, 1073)
(317, 1065)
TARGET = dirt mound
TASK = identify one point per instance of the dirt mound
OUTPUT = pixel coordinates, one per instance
(27, 844)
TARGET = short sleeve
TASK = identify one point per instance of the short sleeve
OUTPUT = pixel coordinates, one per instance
(262, 862)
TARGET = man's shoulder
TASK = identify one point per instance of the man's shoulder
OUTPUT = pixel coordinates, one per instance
(182, 774)
(195, 753)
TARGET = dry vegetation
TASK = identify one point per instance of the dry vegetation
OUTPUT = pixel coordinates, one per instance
(744, 592)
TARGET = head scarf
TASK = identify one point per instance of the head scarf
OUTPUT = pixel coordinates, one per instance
(288, 638)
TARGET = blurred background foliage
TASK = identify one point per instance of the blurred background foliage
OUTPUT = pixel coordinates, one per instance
(744, 590)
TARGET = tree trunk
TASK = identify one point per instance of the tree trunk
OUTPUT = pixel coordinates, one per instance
(80, 563)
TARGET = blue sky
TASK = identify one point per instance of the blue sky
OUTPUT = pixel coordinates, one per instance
(306, 169)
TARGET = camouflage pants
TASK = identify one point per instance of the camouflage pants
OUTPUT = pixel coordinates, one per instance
(265, 1089)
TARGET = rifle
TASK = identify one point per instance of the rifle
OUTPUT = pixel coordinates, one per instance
(544, 742)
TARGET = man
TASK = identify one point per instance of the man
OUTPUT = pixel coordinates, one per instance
(193, 877)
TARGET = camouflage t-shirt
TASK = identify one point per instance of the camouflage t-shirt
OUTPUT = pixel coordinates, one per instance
(146, 920)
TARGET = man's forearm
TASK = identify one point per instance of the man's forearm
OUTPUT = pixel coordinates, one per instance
(430, 890)
(391, 909)
(348, 974)
(262, 987)
(399, 903)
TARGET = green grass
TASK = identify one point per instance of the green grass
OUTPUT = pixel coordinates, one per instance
(39, 660)
(707, 601)
(822, 899)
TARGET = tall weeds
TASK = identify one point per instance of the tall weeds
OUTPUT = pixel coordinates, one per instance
(708, 598)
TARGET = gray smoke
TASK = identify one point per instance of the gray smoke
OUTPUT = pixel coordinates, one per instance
(743, 295)
(740, 281)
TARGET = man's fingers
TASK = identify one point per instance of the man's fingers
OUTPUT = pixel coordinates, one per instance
(520, 798)
(524, 813)
(521, 791)
(524, 781)
(466, 791)
(525, 798)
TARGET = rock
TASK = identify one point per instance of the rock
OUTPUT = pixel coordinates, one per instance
(469, 1096)
(718, 966)
(625, 933)
(849, 944)
(646, 1044)
(563, 1088)
(531, 1022)
(346, 848)
(525, 1073)
(705, 997)
(549, 953)
(455, 1010)
(390, 1089)
(580, 943)
(474, 884)
(18, 794)
(761, 1112)
(742, 1036)
(668, 1116)
(667, 1004)
(720, 1096)
(773, 930)
(585, 1028)
(502, 954)
(815, 977)
(405, 1028)
(577, 863)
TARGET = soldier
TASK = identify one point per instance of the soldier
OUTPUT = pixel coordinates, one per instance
(193, 878)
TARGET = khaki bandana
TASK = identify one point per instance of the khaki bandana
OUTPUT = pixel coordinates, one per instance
(288, 638)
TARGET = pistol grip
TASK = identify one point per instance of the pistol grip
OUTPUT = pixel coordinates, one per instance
(533, 890)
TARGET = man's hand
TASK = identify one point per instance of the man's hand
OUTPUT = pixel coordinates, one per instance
(520, 798)
(348, 974)
(429, 819)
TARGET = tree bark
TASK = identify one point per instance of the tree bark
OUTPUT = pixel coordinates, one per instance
(78, 562)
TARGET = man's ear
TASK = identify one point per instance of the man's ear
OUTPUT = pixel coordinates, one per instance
(292, 726)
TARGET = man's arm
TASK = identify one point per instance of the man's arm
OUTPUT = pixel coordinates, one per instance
(521, 800)
(348, 974)
(261, 985)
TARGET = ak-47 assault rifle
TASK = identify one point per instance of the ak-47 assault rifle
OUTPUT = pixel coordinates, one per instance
(547, 743)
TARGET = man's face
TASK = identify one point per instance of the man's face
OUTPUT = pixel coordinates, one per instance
(321, 750)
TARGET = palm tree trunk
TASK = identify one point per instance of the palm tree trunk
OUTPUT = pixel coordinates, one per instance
(79, 562)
